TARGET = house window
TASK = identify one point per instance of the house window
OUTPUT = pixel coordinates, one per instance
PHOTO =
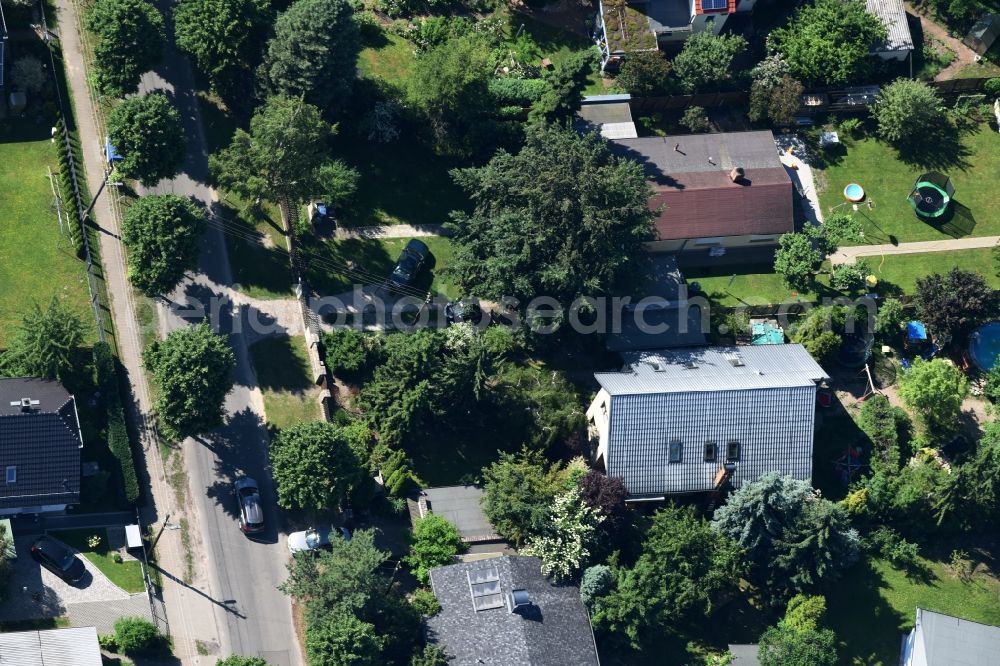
(710, 453)
(733, 451)
(675, 451)
(11, 474)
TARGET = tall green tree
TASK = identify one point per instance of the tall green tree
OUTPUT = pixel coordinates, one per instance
(146, 131)
(519, 488)
(341, 639)
(952, 305)
(192, 370)
(434, 543)
(797, 260)
(161, 233)
(908, 111)
(223, 37)
(644, 73)
(281, 154)
(449, 87)
(351, 579)
(130, 41)
(793, 539)
(561, 218)
(684, 567)
(313, 466)
(566, 85)
(45, 343)
(798, 639)
(314, 52)
(878, 420)
(706, 60)
(935, 390)
(828, 41)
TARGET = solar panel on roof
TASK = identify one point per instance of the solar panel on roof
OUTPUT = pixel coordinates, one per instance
(708, 5)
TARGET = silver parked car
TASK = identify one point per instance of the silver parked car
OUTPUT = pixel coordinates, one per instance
(251, 511)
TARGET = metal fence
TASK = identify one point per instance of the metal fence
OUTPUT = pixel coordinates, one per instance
(81, 210)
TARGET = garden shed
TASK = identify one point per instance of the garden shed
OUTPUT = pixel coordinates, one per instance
(983, 34)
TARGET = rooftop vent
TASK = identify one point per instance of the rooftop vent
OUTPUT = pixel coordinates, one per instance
(519, 599)
(656, 364)
(736, 175)
(25, 404)
(690, 365)
(735, 360)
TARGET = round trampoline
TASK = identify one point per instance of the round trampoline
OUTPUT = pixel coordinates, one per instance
(984, 346)
(931, 195)
(855, 351)
(854, 193)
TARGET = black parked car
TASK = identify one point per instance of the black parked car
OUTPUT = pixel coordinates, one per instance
(58, 559)
(408, 265)
(251, 511)
(457, 312)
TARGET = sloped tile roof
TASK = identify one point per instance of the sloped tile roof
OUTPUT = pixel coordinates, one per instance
(695, 193)
(43, 444)
(553, 631)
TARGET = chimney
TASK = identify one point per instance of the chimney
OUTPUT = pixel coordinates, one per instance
(25, 404)
(736, 175)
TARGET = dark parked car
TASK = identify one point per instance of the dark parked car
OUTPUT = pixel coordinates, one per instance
(251, 512)
(457, 312)
(58, 559)
(408, 265)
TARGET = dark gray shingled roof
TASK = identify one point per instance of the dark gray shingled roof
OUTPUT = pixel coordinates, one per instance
(460, 506)
(553, 631)
(43, 443)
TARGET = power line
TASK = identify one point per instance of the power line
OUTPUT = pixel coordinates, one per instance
(236, 230)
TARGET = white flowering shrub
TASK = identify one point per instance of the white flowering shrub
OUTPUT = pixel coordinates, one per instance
(565, 546)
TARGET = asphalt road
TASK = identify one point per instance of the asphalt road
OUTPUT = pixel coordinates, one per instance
(252, 616)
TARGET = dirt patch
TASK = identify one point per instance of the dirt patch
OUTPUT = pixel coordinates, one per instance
(963, 54)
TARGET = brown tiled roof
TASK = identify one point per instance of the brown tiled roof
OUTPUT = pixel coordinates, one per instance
(708, 204)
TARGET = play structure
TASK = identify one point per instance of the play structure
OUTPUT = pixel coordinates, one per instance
(931, 195)
(855, 350)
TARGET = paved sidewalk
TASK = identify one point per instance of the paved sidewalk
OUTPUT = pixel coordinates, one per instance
(797, 165)
(190, 616)
(392, 231)
(848, 255)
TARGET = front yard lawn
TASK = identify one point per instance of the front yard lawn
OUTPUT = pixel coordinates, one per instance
(282, 368)
(37, 260)
(903, 270)
(126, 575)
(887, 181)
(258, 250)
(875, 603)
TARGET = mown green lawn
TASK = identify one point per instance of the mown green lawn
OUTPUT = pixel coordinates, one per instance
(373, 261)
(757, 284)
(283, 374)
(888, 180)
(126, 575)
(36, 260)
(875, 603)
(903, 270)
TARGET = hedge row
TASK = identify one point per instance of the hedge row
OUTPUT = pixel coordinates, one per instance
(118, 440)
(74, 224)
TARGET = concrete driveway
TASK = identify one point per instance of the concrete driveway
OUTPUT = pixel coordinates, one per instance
(36, 593)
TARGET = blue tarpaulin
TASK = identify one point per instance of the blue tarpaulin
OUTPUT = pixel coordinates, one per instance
(110, 151)
(915, 331)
